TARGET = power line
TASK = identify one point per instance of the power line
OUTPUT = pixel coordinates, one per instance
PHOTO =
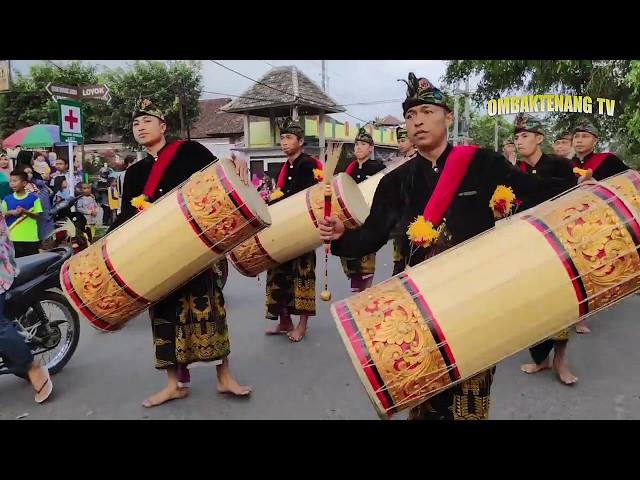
(283, 92)
(352, 116)
(371, 102)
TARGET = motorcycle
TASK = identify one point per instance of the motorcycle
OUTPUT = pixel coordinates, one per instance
(71, 227)
(49, 325)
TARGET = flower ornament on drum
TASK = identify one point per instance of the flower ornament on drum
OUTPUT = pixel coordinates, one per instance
(502, 201)
(141, 202)
(421, 232)
(275, 195)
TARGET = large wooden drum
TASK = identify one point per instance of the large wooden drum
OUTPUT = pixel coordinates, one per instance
(163, 247)
(294, 226)
(466, 309)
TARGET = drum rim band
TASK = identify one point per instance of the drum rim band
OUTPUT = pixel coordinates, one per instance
(238, 264)
(624, 214)
(251, 217)
(96, 321)
(118, 279)
(182, 203)
(566, 260)
(235, 199)
(368, 369)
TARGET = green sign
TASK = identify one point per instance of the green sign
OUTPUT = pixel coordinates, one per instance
(70, 120)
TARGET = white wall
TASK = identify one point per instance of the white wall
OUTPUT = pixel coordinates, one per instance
(220, 147)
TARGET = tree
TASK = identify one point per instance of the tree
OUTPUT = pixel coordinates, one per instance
(482, 131)
(28, 102)
(596, 78)
(162, 83)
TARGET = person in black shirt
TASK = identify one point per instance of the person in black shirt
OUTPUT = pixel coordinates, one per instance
(603, 165)
(291, 287)
(439, 216)
(529, 135)
(189, 326)
(361, 270)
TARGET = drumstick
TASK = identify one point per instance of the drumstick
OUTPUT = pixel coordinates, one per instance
(332, 157)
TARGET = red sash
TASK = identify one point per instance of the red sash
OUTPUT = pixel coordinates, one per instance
(454, 171)
(282, 176)
(594, 161)
(523, 167)
(351, 167)
(159, 167)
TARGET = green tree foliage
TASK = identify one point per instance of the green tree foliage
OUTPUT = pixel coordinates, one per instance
(162, 83)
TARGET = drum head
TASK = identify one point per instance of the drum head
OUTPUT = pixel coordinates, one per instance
(351, 197)
(248, 194)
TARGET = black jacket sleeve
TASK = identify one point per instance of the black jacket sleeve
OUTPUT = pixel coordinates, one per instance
(375, 231)
(305, 177)
(612, 165)
(527, 186)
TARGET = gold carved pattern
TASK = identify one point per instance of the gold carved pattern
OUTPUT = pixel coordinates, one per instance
(399, 342)
(214, 212)
(251, 257)
(97, 289)
(598, 243)
(624, 188)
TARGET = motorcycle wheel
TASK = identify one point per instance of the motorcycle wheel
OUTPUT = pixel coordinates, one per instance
(64, 321)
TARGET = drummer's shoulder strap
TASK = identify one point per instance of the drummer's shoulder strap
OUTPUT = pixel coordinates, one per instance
(596, 160)
(351, 167)
(454, 171)
(167, 154)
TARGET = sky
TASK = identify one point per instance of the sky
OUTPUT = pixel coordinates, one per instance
(349, 81)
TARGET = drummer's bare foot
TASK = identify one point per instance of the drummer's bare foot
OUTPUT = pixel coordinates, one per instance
(228, 384)
(300, 331)
(535, 368)
(560, 364)
(581, 327)
(281, 329)
(170, 392)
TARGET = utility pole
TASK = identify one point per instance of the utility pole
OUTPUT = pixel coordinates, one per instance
(179, 99)
(324, 75)
(455, 115)
(467, 109)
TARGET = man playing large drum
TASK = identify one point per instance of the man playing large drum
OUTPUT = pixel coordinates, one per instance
(443, 196)
(529, 135)
(603, 165)
(190, 324)
(291, 286)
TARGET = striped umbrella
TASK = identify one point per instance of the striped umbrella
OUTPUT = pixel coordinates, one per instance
(35, 136)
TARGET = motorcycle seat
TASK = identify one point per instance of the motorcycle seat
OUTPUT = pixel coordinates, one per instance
(34, 265)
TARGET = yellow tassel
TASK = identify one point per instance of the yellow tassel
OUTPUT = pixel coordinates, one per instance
(140, 202)
(276, 194)
(421, 232)
(580, 171)
(502, 201)
(318, 174)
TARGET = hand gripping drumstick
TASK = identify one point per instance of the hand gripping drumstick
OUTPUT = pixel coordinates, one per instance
(332, 157)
